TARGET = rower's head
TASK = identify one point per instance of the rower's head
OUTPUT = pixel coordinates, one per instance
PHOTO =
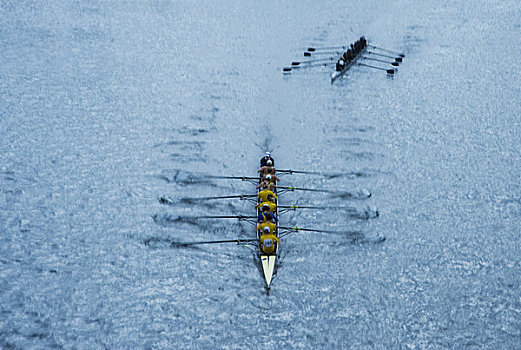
(265, 207)
(267, 230)
(269, 162)
(267, 155)
(268, 177)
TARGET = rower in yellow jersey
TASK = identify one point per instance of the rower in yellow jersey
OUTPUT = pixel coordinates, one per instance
(268, 206)
(262, 226)
(264, 194)
(268, 240)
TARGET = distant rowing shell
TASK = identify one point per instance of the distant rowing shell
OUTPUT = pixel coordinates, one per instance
(335, 75)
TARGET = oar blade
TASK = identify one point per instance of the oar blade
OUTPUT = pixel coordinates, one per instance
(307, 54)
(390, 71)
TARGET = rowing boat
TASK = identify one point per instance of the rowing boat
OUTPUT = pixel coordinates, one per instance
(337, 74)
(268, 260)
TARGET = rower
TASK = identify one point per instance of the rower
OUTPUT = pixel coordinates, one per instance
(267, 214)
(264, 194)
(271, 178)
(268, 241)
(266, 224)
(265, 159)
(265, 185)
(271, 206)
(268, 168)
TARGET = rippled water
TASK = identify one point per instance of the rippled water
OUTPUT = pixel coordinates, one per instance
(113, 112)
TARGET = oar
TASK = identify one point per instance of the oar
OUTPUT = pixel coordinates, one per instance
(243, 178)
(240, 196)
(291, 171)
(397, 59)
(293, 188)
(288, 69)
(389, 71)
(297, 63)
(295, 207)
(353, 212)
(307, 54)
(396, 64)
(297, 229)
(328, 175)
(382, 49)
(238, 241)
(313, 49)
(340, 194)
(240, 217)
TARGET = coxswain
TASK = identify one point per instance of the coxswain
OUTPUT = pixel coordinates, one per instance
(340, 64)
(264, 160)
(267, 213)
(268, 241)
(263, 196)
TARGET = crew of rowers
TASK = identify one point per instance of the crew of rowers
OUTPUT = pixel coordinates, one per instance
(351, 53)
(267, 202)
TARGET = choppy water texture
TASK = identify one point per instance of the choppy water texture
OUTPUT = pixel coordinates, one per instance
(112, 113)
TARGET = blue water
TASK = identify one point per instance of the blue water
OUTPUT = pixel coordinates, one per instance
(107, 107)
